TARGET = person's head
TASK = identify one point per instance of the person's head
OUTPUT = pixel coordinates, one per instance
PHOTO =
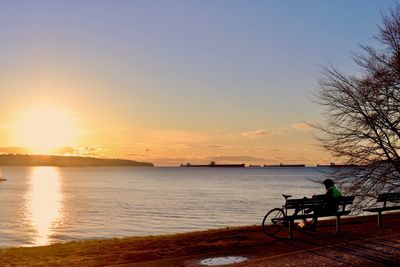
(328, 183)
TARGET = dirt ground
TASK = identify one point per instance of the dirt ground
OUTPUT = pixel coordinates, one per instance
(360, 243)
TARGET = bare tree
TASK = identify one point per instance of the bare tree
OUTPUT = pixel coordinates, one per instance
(362, 114)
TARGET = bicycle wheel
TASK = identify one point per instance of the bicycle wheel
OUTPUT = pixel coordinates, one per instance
(273, 222)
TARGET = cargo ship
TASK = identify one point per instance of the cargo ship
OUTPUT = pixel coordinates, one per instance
(213, 165)
(286, 165)
(333, 165)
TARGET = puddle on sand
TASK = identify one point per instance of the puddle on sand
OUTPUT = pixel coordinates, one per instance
(222, 260)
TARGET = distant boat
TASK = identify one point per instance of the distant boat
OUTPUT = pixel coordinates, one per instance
(286, 165)
(333, 165)
(2, 179)
(213, 165)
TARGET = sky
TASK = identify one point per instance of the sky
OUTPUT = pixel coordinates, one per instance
(171, 82)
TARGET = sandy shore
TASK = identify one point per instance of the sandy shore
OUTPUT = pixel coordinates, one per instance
(360, 243)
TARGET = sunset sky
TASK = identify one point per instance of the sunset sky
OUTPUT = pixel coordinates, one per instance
(171, 82)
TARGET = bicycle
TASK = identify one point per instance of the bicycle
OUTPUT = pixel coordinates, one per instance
(277, 218)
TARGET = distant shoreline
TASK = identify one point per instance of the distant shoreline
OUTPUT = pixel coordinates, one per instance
(66, 161)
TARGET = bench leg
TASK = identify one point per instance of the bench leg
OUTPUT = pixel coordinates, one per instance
(338, 224)
(379, 219)
(291, 226)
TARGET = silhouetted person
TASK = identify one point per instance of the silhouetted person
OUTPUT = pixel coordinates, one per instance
(331, 202)
(331, 197)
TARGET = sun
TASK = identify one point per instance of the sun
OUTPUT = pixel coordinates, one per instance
(44, 129)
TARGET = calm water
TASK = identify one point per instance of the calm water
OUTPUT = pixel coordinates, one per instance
(42, 205)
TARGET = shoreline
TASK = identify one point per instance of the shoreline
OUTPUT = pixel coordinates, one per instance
(187, 249)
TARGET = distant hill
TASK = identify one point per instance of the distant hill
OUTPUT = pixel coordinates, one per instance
(67, 161)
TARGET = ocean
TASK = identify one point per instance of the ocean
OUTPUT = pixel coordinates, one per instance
(44, 205)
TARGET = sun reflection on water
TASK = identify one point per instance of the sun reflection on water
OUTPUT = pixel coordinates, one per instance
(44, 202)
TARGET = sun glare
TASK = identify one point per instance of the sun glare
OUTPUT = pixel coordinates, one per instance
(44, 202)
(43, 129)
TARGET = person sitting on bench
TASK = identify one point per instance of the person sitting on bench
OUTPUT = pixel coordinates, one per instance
(331, 196)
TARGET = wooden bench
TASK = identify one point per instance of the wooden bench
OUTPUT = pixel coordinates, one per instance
(393, 199)
(296, 210)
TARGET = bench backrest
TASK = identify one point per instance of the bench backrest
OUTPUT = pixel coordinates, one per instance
(388, 197)
(306, 203)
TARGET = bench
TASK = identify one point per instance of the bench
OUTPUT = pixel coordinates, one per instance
(296, 210)
(392, 198)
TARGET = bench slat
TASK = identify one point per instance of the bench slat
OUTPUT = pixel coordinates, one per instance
(380, 209)
(388, 197)
(303, 203)
(300, 216)
(348, 200)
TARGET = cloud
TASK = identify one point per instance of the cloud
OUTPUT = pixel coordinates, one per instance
(65, 150)
(302, 126)
(263, 132)
(257, 133)
(14, 150)
(88, 151)
(91, 151)
(85, 151)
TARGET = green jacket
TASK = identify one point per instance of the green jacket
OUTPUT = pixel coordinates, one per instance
(331, 196)
(333, 192)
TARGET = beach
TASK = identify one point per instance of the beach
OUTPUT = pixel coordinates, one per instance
(360, 243)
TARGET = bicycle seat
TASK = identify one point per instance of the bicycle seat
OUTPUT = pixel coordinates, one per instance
(286, 196)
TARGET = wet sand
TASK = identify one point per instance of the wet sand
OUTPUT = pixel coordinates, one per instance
(361, 243)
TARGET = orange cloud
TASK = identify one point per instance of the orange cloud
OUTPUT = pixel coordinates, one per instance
(262, 133)
(302, 126)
